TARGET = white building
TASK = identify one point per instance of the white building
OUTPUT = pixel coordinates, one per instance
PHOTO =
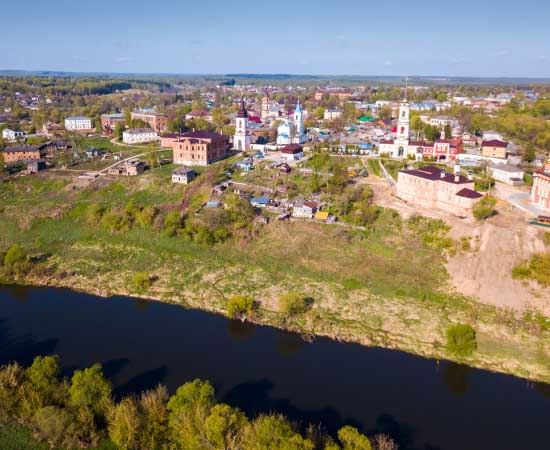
(242, 138)
(443, 121)
(331, 114)
(292, 131)
(12, 135)
(401, 147)
(292, 152)
(183, 175)
(139, 136)
(507, 174)
(78, 123)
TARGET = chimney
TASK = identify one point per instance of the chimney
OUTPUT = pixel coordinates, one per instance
(547, 166)
(442, 175)
(457, 177)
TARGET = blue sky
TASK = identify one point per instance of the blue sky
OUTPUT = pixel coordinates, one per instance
(417, 37)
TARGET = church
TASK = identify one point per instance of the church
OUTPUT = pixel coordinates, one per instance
(242, 138)
(291, 131)
(402, 146)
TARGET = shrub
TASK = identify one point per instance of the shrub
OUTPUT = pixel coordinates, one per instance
(537, 269)
(117, 221)
(294, 303)
(239, 306)
(95, 213)
(146, 216)
(14, 256)
(484, 208)
(56, 426)
(461, 340)
(141, 281)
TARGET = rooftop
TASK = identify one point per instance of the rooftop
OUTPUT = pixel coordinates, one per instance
(434, 174)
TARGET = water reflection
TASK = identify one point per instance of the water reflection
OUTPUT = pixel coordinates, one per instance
(240, 331)
(456, 377)
(289, 344)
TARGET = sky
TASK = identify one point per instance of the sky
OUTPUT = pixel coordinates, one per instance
(481, 38)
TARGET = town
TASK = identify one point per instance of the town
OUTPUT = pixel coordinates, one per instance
(401, 213)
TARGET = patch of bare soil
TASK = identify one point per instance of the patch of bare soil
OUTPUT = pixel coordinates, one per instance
(498, 245)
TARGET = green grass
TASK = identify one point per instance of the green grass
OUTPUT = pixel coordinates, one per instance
(374, 167)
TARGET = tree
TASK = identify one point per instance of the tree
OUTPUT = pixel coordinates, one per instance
(125, 424)
(89, 388)
(461, 340)
(155, 417)
(56, 426)
(529, 154)
(188, 409)
(14, 256)
(432, 132)
(448, 132)
(384, 113)
(43, 375)
(351, 439)
(141, 281)
(240, 306)
(273, 433)
(484, 208)
(223, 427)
(119, 130)
(294, 303)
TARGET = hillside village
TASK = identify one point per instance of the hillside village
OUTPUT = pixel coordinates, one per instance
(326, 155)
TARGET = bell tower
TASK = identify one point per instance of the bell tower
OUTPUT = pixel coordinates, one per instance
(403, 123)
(241, 139)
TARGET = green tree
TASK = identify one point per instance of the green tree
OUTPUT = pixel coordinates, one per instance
(15, 255)
(461, 340)
(294, 303)
(56, 426)
(448, 132)
(188, 409)
(351, 439)
(529, 153)
(155, 418)
(119, 130)
(432, 132)
(384, 113)
(223, 427)
(125, 424)
(43, 376)
(89, 388)
(240, 306)
(273, 433)
(484, 208)
(141, 281)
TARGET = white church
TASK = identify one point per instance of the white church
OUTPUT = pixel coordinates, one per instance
(402, 146)
(291, 131)
(242, 138)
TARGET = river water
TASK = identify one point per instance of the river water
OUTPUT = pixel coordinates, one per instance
(421, 403)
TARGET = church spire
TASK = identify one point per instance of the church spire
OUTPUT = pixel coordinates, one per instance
(242, 111)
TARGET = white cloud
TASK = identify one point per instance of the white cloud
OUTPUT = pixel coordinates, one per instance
(388, 63)
(502, 52)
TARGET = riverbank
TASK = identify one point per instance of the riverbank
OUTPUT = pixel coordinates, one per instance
(505, 344)
(386, 286)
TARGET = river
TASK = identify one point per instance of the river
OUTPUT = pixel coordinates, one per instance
(421, 403)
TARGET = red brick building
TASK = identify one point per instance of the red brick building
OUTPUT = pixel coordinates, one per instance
(197, 148)
(157, 121)
(21, 153)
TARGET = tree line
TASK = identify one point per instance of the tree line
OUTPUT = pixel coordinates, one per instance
(81, 412)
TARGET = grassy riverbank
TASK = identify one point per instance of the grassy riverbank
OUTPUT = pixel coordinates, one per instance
(386, 286)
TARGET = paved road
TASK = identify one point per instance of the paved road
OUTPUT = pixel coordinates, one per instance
(518, 197)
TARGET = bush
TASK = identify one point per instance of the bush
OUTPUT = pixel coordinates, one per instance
(461, 340)
(294, 303)
(239, 306)
(537, 269)
(56, 426)
(14, 256)
(141, 281)
(484, 208)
